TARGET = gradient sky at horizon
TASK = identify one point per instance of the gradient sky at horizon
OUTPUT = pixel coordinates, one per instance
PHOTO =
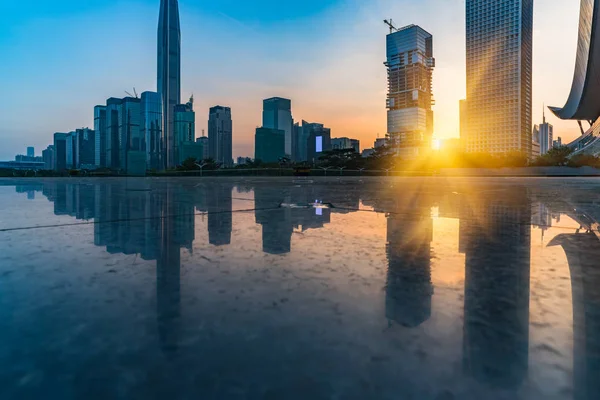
(60, 59)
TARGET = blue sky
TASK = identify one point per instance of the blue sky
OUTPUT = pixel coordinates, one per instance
(60, 58)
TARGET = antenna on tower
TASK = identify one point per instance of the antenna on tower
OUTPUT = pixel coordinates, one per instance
(390, 23)
(544, 111)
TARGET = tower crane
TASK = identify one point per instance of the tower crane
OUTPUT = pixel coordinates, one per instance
(390, 23)
(134, 95)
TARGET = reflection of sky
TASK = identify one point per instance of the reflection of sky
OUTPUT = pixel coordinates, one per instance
(62, 75)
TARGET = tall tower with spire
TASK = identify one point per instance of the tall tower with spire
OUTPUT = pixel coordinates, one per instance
(169, 73)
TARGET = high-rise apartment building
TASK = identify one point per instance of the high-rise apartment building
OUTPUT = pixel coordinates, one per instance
(100, 129)
(169, 72)
(410, 66)
(220, 134)
(499, 76)
(113, 106)
(48, 157)
(151, 130)
(84, 145)
(277, 114)
(130, 137)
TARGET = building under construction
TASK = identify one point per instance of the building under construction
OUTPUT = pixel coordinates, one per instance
(410, 66)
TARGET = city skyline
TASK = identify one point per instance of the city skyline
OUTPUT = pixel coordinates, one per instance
(350, 106)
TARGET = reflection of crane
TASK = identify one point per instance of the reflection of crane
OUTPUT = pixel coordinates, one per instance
(390, 23)
(135, 95)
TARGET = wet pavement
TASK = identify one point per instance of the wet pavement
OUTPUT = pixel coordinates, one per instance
(349, 288)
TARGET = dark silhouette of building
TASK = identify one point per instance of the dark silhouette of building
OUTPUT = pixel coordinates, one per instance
(583, 255)
(169, 73)
(409, 288)
(220, 220)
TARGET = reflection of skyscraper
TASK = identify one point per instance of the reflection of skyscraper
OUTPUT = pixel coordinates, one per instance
(409, 288)
(277, 227)
(155, 224)
(169, 72)
(583, 253)
(220, 223)
(497, 242)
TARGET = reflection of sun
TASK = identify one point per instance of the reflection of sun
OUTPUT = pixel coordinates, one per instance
(436, 144)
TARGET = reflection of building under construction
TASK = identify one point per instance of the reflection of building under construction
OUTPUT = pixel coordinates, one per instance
(583, 255)
(409, 288)
(496, 237)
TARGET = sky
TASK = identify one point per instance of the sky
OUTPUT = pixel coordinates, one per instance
(61, 58)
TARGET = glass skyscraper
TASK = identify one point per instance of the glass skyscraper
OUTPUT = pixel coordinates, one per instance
(499, 76)
(151, 130)
(277, 114)
(220, 133)
(185, 132)
(169, 72)
(410, 66)
(100, 129)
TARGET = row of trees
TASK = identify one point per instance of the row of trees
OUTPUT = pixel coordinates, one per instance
(386, 158)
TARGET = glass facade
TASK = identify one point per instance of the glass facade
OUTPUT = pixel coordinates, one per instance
(60, 151)
(318, 142)
(220, 135)
(410, 66)
(169, 72)
(269, 145)
(277, 114)
(151, 130)
(113, 106)
(130, 137)
(499, 76)
(100, 137)
(185, 132)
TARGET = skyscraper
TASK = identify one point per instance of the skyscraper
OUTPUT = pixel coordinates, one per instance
(185, 133)
(30, 152)
(277, 114)
(410, 66)
(151, 130)
(60, 151)
(546, 136)
(100, 129)
(319, 140)
(220, 134)
(499, 81)
(48, 157)
(269, 145)
(169, 72)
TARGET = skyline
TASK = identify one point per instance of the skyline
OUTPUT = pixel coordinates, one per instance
(342, 62)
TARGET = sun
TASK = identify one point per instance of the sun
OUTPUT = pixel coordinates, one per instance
(436, 144)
